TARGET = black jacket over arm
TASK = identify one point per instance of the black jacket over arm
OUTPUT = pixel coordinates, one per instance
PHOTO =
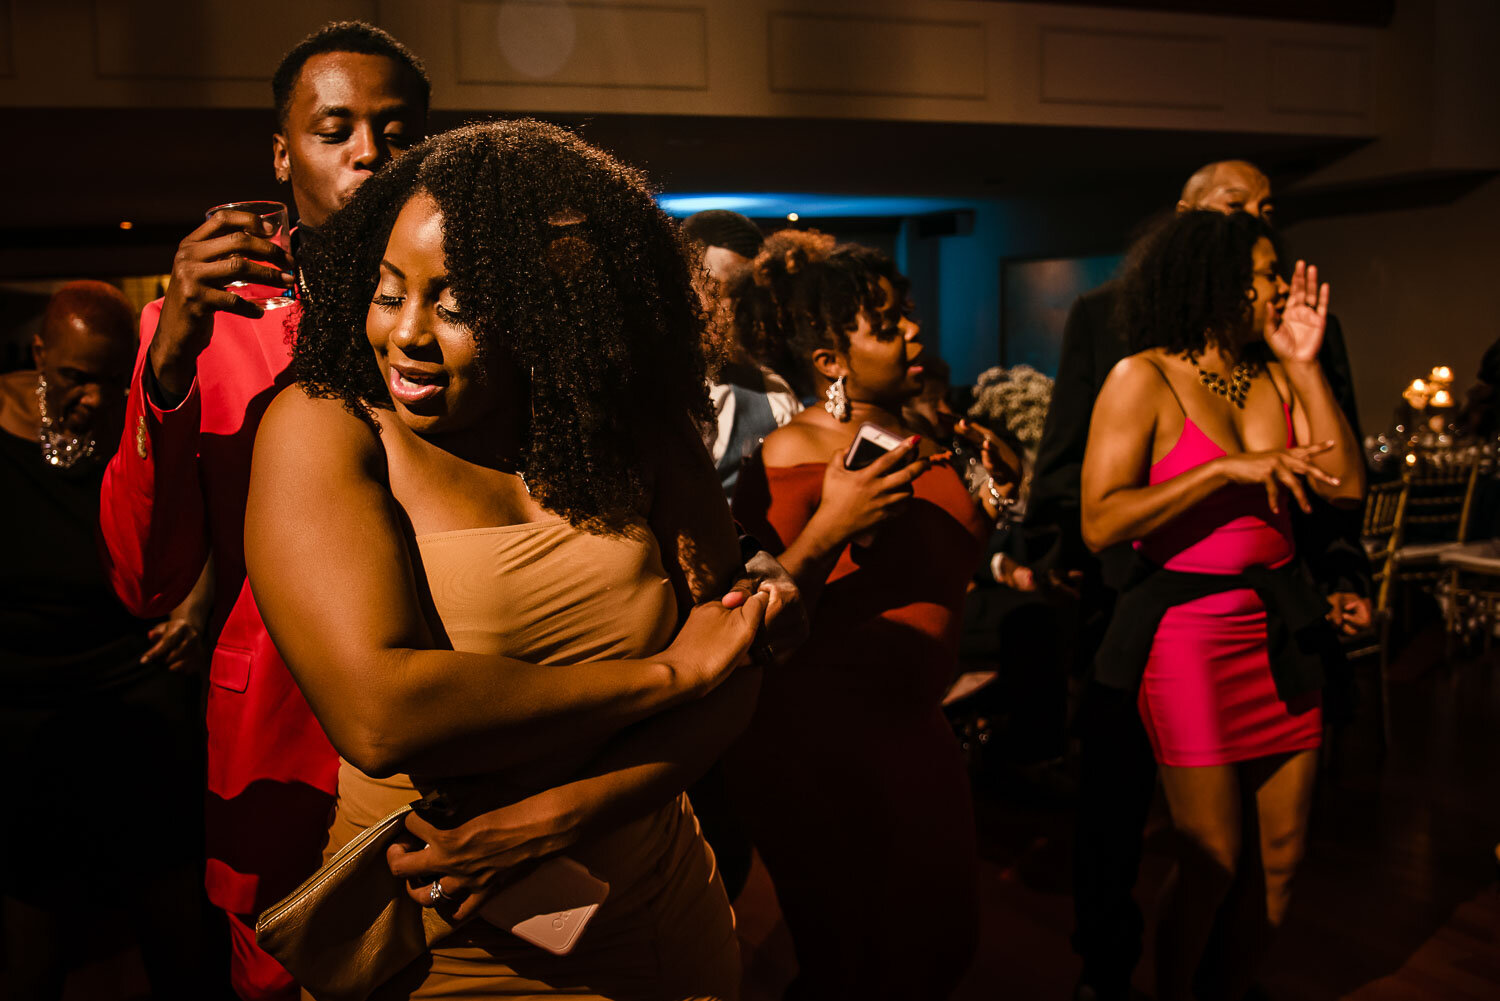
(1329, 537)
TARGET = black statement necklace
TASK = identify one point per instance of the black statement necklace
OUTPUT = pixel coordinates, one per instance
(1234, 388)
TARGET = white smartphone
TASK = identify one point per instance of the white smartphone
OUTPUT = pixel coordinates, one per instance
(870, 442)
(549, 906)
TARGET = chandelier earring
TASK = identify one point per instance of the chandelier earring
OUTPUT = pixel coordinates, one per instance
(838, 400)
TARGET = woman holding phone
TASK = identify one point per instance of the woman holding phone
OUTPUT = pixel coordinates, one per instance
(485, 536)
(850, 778)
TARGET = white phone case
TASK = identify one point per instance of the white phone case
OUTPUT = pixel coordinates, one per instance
(877, 436)
(549, 906)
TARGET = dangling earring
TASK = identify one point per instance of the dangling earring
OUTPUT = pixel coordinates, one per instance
(838, 401)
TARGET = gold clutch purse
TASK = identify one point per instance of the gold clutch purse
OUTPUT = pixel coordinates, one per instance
(350, 926)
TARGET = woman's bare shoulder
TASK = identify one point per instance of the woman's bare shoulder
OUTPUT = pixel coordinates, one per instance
(1142, 372)
(298, 422)
(801, 439)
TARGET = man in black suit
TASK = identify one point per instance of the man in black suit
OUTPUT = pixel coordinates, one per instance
(1118, 773)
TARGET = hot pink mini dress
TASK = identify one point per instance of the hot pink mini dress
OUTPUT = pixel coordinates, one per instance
(1207, 697)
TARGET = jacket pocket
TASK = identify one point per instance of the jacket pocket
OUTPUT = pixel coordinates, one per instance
(230, 668)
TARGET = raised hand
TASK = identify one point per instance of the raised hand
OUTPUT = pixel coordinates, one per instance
(229, 247)
(998, 458)
(1299, 334)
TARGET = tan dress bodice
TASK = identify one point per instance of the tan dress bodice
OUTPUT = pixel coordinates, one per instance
(543, 592)
(548, 593)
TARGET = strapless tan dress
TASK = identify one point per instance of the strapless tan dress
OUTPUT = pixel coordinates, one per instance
(547, 593)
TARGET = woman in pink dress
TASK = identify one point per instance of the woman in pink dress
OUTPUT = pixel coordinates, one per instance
(1199, 445)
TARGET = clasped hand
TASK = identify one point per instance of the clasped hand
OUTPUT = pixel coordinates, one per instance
(786, 624)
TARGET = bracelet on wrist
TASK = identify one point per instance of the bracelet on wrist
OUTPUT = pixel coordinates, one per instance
(1003, 504)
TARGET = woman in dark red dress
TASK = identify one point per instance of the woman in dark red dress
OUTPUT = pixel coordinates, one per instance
(849, 778)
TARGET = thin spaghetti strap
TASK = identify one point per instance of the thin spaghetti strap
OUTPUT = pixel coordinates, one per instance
(1272, 376)
(1170, 388)
(1286, 409)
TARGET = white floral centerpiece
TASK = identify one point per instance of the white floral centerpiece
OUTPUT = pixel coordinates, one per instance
(1016, 399)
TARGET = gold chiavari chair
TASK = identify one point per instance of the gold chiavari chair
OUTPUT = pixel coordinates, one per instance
(1433, 503)
(1473, 592)
(1381, 533)
(1437, 509)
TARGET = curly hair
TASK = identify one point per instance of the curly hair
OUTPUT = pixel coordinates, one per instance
(345, 36)
(562, 266)
(879, 265)
(1186, 284)
(803, 293)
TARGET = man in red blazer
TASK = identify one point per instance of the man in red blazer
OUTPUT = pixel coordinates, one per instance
(348, 98)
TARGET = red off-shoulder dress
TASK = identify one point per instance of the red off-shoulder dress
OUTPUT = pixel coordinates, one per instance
(849, 779)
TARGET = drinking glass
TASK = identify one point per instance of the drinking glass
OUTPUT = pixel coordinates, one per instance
(274, 213)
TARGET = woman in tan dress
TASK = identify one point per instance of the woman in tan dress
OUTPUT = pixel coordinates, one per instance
(486, 538)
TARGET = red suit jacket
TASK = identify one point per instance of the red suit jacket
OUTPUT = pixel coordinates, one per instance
(173, 494)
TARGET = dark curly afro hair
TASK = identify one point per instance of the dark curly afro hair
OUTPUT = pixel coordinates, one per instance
(1187, 285)
(802, 293)
(564, 267)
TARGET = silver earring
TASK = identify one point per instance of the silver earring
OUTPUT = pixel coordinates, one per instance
(838, 401)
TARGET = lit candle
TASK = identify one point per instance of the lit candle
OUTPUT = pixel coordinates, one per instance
(1442, 399)
(1411, 458)
(1443, 373)
(1416, 394)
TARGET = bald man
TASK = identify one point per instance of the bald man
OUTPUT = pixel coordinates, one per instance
(1118, 773)
(73, 403)
(97, 718)
(1228, 186)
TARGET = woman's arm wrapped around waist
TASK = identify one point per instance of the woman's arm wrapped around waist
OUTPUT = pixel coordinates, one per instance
(332, 573)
